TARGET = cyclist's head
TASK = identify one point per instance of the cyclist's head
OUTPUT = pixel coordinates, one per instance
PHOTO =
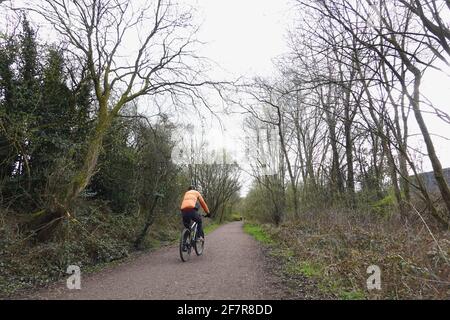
(191, 187)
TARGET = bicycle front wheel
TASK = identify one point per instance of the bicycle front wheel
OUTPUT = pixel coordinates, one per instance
(185, 246)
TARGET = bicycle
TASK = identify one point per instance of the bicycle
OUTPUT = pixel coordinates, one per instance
(189, 239)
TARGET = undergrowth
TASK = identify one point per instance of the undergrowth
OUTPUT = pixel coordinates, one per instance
(95, 238)
(336, 249)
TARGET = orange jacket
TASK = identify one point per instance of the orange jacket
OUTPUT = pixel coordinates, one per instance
(190, 200)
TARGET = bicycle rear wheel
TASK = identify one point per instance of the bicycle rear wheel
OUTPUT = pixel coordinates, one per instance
(199, 246)
(185, 246)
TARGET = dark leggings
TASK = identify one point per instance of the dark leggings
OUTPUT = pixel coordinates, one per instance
(193, 215)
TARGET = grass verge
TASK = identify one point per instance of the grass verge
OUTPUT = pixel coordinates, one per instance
(257, 232)
(211, 227)
(298, 272)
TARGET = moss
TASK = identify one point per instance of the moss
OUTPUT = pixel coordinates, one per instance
(211, 227)
(258, 233)
(304, 267)
(336, 288)
(285, 253)
(235, 217)
(352, 295)
(385, 206)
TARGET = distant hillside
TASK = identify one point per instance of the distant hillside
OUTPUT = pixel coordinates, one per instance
(430, 181)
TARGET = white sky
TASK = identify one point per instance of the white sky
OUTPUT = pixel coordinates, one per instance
(244, 36)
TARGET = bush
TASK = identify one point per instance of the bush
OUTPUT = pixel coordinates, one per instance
(385, 206)
(235, 216)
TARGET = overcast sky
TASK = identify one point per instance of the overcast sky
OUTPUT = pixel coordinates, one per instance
(245, 36)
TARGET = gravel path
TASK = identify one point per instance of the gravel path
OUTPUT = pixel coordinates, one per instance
(231, 267)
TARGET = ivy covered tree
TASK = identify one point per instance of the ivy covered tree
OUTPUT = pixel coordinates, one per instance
(42, 119)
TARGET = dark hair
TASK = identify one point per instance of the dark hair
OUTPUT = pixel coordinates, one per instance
(191, 188)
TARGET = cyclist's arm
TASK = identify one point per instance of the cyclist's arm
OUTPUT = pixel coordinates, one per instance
(203, 204)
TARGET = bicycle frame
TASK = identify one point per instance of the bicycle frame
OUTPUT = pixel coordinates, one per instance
(193, 231)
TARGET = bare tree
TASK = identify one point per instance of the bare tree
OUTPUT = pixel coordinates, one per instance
(351, 72)
(219, 182)
(417, 53)
(267, 164)
(433, 15)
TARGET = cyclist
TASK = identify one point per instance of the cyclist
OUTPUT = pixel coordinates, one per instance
(189, 209)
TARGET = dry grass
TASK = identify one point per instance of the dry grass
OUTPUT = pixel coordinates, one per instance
(414, 259)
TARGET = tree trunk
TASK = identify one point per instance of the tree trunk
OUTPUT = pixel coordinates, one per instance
(415, 103)
(349, 156)
(336, 176)
(84, 175)
(292, 176)
(393, 174)
(437, 167)
(148, 222)
(46, 223)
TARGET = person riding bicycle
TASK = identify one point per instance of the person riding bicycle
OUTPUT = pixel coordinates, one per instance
(189, 209)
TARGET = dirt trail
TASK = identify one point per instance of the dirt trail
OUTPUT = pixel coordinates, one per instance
(232, 267)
